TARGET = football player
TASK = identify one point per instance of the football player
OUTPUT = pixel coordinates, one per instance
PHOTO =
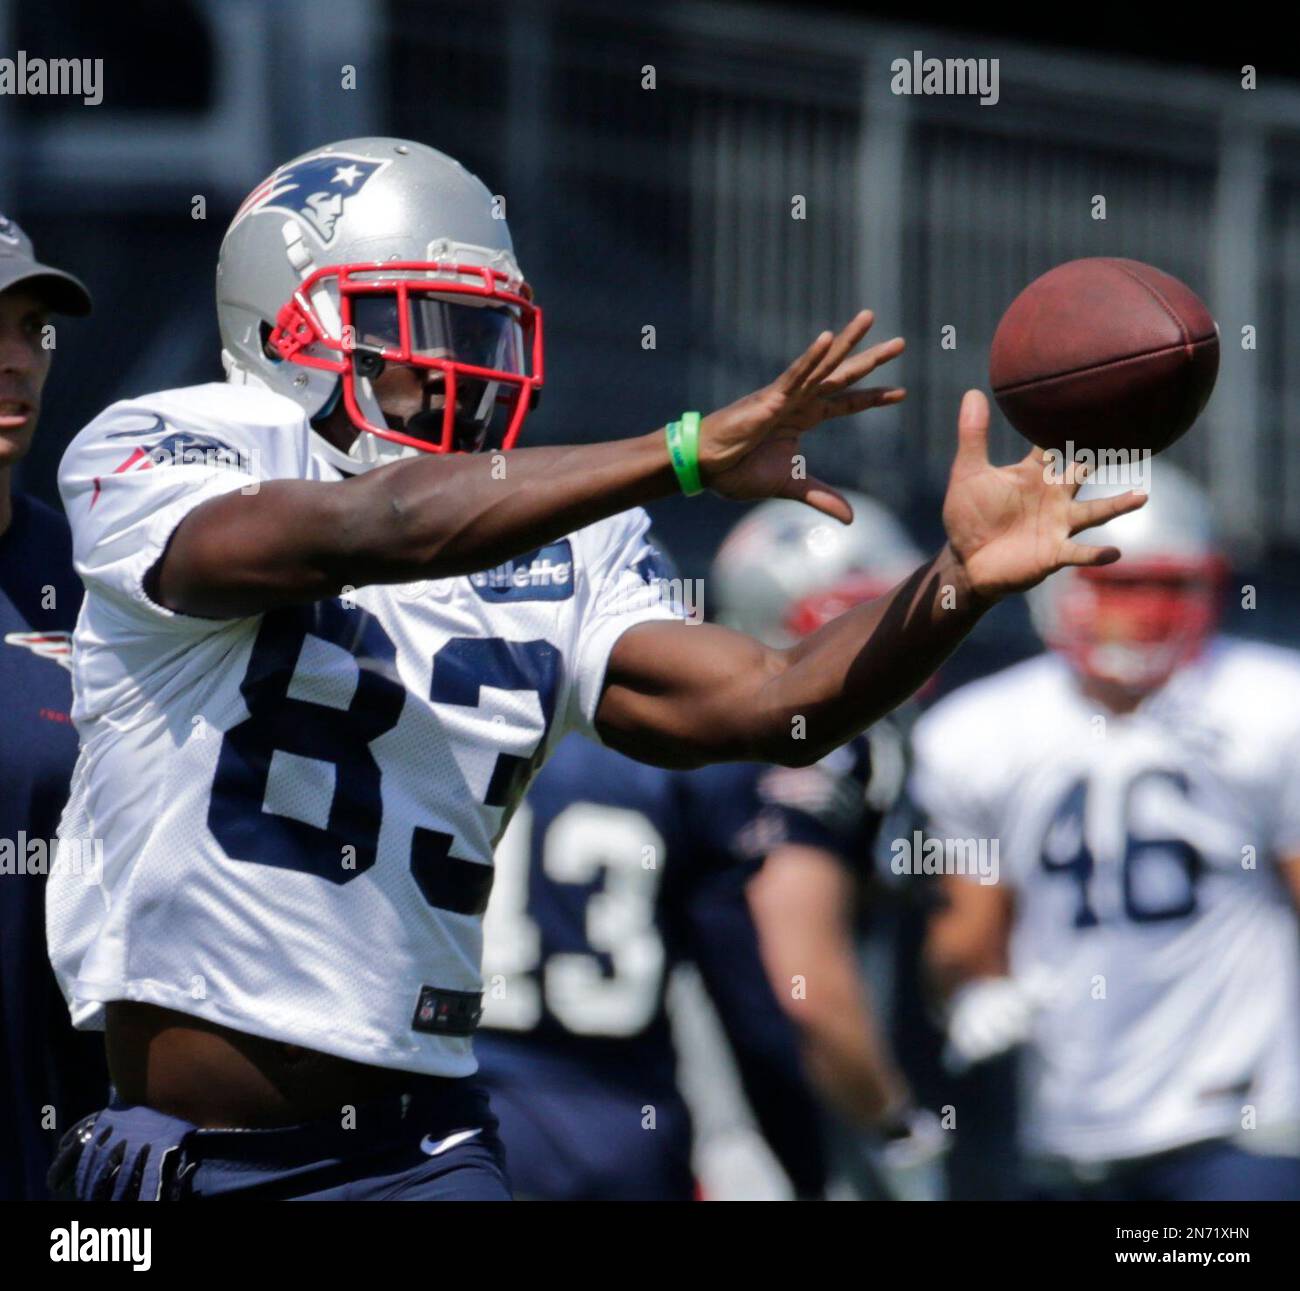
(1139, 781)
(49, 1075)
(333, 624)
(610, 875)
(783, 573)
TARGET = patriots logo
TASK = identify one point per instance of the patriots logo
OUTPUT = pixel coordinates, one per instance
(45, 645)
(8, 231)
(175, 448)
(654, 567)
(314, 189)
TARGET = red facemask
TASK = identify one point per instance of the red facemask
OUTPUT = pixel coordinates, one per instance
(817, 608)
(1135, 628)
(474, 325)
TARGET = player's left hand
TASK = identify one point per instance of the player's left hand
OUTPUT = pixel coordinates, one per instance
(749, 448)
(1009, 527)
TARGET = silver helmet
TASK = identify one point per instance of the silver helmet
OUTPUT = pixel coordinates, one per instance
(374, 251)
(785, 569)
(1131, 624)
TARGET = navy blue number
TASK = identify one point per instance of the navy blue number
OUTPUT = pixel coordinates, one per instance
(1139, 853)
(1144, 852)
(461, 669)
(1068, 822)
(280, 722)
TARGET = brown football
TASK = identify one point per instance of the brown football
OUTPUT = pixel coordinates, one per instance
(1104, 354)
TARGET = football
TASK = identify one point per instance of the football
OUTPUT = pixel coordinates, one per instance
(1104, 354)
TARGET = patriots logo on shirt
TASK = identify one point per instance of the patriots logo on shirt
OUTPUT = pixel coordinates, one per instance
(175, 448)
(45, 645)
(654, 567)
(315, 190)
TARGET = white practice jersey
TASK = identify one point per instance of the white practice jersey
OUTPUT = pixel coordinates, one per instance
(1143, 853)
(297, 809)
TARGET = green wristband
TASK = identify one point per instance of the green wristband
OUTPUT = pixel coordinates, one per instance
(684, 452)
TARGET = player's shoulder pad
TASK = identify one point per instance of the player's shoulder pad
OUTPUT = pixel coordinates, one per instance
(618, 555)
(605, 542)
(976, 714)
(213, 426)
(1251, 677)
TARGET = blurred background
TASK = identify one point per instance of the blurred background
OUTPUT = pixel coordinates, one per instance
(671, 208)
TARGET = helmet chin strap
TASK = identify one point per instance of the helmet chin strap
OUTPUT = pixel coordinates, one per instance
(366, 451)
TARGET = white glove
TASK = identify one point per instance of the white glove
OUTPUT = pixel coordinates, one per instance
(986, 1018)
(909, 1165)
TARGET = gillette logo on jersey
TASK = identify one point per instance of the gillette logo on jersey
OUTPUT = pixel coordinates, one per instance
(543, 575)
(314, 190)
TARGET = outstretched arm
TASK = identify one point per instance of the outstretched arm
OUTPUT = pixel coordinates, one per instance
(437, 516)
(681, 694)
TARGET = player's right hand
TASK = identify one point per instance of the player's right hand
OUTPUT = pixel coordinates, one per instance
(750, 448)
(986, 1018)
(1011, 526)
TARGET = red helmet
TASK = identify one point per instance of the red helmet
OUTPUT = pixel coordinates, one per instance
(824, 604)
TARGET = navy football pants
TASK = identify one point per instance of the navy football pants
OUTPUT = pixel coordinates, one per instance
(593, 1143)
(437, 1143)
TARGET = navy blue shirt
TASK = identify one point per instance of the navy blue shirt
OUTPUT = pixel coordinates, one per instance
(837, 804)
(43, 1062)
(631, 870)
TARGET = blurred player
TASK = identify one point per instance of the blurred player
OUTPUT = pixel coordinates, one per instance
(610, 875)
(332, 627)
(48, 1075)
(1141, 782)
(784, 572)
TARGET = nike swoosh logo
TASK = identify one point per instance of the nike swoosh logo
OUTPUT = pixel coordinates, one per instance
(158, 425)
(436, 1147)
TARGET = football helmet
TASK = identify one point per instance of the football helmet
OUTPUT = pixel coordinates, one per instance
(374, 251)
(786, 569)
(1134, 623)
